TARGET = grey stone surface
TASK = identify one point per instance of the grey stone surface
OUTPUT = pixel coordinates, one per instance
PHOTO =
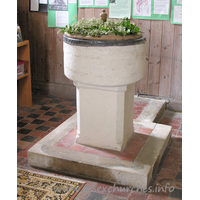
(65, 161)
(102, 43)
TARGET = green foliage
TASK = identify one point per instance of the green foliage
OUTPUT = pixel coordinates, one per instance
(96, 27)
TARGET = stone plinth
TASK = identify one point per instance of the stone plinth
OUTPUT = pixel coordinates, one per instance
(104, 73)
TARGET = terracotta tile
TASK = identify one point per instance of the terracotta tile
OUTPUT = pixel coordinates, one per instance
(73, 131)
(31, 126)
(22, 144)
(126, 156)
(67, 141)
(145, 131)
(114, 197)
(71, 108)
(110, 153)
(44, 117)
(23, 153)
(77, 147)
(46, 100)
(36, 133)
(60, 98)
(65, 103)
(39, 112)
(177, 121)
(119, 191)
(175, 151)
(137, 196)
(60, 115)
(93, 151)
(23, 114)
(169, 164)
(26, 120)
(176, 143)
(156, 197)
(172, 162)
(49, 123)
(171, 198)
(138, 137)
(174, 126)
(36, 106)
(19, 136)
(51, 104)
(167, 173)
(73, 112)
(162, 187)
(21, 160)
(55, 109)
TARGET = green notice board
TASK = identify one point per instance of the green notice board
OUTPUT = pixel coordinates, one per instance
(93, 3)
(176, 12)
(151, 9)
(63, 14)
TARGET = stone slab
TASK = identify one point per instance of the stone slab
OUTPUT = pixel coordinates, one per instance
(153, 110)
(138, 173)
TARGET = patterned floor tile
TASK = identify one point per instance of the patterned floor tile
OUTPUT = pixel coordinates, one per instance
(52, 111)
(21, 124)
(28, 138)
(37, 121)
(42, 128)
(24, 131)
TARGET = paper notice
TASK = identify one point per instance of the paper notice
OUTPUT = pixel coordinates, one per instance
(58, 5)
(120, 8)
(142, 8)
(179, 1)
(86, 2)
(177, 14)
(71, 1)
(43, 1)
(61, 18)
(101, 2)
(34, 5)
(161, 7)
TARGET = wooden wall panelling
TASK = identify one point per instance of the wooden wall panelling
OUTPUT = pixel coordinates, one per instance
(32, 37)
(97, 12)
(163, 52)
(40, 34)
(145, 27)
(50, 60)
(89, 13)
(176, 83)
(81, 13)
(155, 57)
(166, 58)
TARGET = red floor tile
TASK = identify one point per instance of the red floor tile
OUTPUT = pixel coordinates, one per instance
(77, 147)
(19, 136)
(67, 141)
(144, 130)
(157, 197)
(36, 133)
(22, 144)
(137, 196)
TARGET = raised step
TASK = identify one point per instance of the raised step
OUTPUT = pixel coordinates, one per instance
(134, 167)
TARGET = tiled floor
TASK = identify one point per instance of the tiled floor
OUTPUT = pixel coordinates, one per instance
(48, 112)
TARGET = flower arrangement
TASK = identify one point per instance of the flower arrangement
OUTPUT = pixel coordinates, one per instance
(96, 28)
